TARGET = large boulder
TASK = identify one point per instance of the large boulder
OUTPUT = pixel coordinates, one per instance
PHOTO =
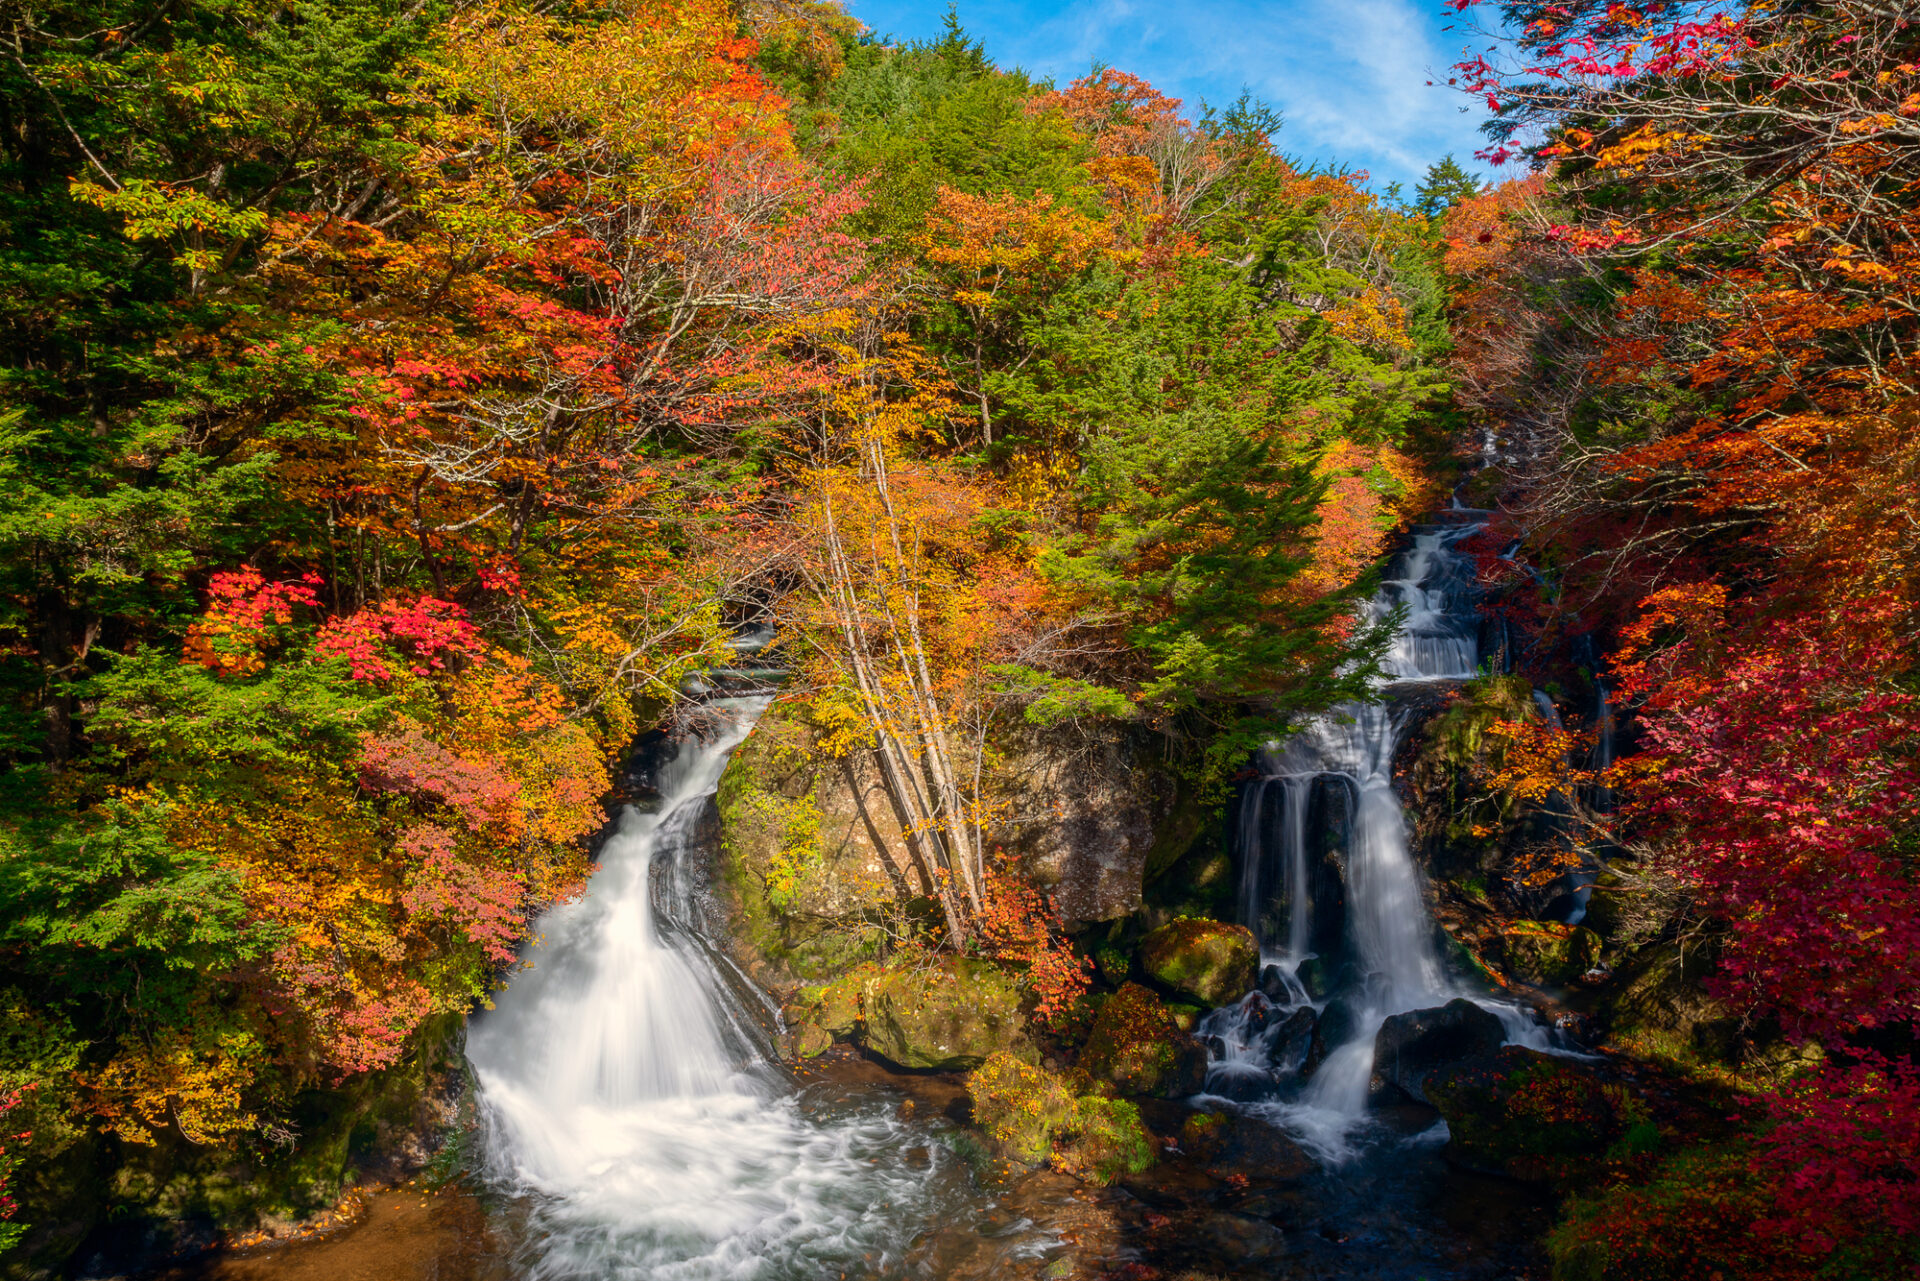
(1209, 960)
(1546, 953)
(834, 1006)
(1535, 1116)
(1136, 1048)
(1411, 1046)
(948, 1017)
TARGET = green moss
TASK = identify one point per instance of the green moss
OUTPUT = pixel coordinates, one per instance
(1108, 1140)
(810, 1040)
(1020, 1106)
(834, 1006)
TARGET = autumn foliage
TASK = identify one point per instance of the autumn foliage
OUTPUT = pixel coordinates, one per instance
(1704, 393)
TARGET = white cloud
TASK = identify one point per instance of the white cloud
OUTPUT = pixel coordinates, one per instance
(1350, 76)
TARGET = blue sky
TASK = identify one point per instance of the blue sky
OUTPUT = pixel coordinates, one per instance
(1350, 76)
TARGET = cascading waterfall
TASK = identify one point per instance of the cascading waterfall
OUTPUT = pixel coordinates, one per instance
(1389, 936)
(628, 1105)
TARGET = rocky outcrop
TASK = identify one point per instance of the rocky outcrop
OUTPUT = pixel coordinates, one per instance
(813, 853)
(808, 843)
(1091, 813)
(1411, 1046)
(1208, 960)
(1135, 1048)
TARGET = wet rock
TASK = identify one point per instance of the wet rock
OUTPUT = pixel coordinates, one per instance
(1274, 985)
(1237, 1237)
(1242, 1082)
(1336, 1026)
(1292, 1039)
(1546, 953)
(948, 1017)
(1135, 1047)
(1256, 1150)
(1534, 1116)
(1316, 976)
(1209, 960)
(1410, 1046)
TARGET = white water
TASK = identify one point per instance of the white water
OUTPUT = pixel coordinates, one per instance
(628, 1108)
(1387, 926)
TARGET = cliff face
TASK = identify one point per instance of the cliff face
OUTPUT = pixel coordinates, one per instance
(812, 851)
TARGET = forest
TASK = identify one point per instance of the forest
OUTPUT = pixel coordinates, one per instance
(407, 408)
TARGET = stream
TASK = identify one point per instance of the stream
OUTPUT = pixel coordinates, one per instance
(637, 1122)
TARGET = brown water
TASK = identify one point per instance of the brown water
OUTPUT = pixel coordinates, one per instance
(404, 1234)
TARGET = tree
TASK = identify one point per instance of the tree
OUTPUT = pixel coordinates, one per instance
(1445, 186)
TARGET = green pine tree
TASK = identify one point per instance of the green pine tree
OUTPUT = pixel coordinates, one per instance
(1445, 186)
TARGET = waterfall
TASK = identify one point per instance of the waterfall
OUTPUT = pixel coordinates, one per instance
(1389, 938)
(628, 1103)
(1386, 918)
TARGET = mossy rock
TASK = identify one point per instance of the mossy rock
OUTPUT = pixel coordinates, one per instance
(810, 1041)
(834, 1006)
(1209, 960)
(1545, 953)
(1034, 1115)
(1606, 904)
(799, 871)
(1113, 963)
(1535, 1116)
(1136, 1048)
(948, 1017)
(1107, 1140)
(1021, 1106)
